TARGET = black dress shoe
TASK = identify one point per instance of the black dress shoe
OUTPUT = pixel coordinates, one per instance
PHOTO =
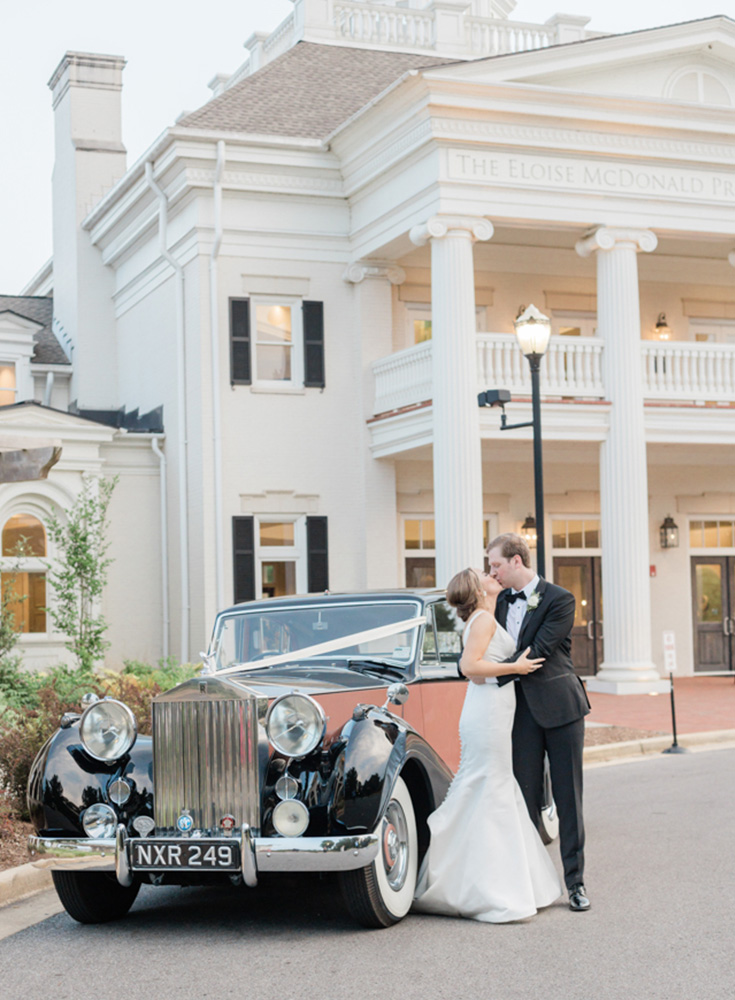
(578, 898)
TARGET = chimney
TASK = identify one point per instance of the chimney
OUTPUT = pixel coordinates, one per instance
(89, 160)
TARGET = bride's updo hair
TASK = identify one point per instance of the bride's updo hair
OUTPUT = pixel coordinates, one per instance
(465, 592)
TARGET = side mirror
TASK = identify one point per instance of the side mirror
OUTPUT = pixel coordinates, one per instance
(397, 694)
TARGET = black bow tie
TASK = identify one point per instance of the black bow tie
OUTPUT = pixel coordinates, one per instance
(512, 598)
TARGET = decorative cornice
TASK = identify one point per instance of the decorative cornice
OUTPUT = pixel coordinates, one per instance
(542, 137)
(359, 270)
(607, 238)
(439, 226)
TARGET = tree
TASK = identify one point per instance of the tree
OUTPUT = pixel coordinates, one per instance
(81, 573)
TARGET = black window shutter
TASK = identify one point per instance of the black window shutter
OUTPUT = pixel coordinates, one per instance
(243, 558)
(240, 342)
(317, 554)
(313, 313)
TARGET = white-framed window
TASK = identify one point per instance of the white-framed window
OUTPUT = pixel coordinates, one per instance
(280, 555)
(573, 323)
(712, 331)
(8, 385)
(711, 533)
(23, 568)
(278, 356)
(419, 547)
(578, 535)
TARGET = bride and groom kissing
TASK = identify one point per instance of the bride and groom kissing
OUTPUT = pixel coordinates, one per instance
(486, 860)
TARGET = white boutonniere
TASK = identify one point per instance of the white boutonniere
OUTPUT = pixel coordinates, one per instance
(533, 601)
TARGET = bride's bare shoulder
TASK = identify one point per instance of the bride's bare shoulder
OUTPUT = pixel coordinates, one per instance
(483, 624)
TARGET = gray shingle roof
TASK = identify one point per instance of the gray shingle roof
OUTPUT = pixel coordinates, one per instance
(306, 92)
(40, 309)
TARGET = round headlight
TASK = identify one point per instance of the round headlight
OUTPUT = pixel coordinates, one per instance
(107, 729)
(295, 724)
(99, 821)
(290, 818)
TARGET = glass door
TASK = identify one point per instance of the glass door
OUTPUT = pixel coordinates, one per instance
(713, 589)
(582, 576)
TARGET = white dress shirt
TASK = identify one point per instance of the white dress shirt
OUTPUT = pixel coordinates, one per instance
(517, 611)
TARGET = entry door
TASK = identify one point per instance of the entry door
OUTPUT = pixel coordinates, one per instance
(713, 593)
(582, 576)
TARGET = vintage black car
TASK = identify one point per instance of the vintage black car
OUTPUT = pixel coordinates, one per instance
(319, 737)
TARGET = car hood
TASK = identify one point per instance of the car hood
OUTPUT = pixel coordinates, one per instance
(309, 679)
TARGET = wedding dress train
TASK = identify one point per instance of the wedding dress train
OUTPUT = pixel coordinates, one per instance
(486, 860)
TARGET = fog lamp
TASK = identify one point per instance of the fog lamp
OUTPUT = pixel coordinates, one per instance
(99, 821)
(290, 818)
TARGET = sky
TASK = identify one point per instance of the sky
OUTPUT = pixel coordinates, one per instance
(172, 51)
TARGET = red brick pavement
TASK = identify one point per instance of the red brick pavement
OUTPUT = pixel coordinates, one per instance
(703, 704)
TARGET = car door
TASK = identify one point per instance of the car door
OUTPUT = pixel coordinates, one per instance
(441, 687)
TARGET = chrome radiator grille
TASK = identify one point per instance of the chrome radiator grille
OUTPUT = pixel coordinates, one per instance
(205, 755)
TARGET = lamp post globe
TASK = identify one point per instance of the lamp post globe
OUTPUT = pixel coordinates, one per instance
(533, 331)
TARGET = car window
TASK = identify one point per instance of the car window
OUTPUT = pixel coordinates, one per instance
(446, 639)
(428, 646)
(247, 637)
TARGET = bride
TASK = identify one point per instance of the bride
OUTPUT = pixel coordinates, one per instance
(485, 860)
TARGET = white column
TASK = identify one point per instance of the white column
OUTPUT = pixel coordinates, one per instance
(456, 422)
(627, 666)
(375, 498)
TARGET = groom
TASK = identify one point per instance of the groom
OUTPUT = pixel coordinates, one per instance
(551, 702)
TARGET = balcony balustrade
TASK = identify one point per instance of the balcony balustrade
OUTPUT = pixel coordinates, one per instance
(573, 368)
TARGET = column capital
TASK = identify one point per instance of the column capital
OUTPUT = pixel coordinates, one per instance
(608, 237)
(731, 257)
(359, 270)
(439, 226)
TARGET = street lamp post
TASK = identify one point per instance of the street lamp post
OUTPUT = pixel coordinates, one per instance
(533, 331)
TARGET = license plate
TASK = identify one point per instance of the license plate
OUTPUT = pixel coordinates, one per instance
(191, 855)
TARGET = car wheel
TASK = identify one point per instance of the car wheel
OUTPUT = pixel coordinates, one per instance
(381, 894)
(94, 897)
(549, 820)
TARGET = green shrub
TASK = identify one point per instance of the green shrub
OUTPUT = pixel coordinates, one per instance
(31, 706)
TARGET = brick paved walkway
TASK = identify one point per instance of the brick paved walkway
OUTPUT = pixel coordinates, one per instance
(703, 704)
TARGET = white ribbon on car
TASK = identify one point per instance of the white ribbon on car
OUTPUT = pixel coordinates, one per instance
(327, 647)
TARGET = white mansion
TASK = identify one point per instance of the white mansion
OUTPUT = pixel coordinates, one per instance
(273, 327)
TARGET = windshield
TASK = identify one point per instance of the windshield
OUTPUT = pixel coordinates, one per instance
(248, 637)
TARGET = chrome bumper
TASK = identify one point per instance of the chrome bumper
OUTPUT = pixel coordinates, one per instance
(257, 854)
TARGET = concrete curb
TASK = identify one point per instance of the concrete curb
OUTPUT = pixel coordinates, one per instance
(655, 744)
(17, 883)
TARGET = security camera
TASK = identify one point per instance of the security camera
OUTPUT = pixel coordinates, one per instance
(493, 397)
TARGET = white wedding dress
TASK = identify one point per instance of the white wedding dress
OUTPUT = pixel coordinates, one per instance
(486, 860)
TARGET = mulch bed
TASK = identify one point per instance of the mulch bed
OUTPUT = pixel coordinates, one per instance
(13, 844)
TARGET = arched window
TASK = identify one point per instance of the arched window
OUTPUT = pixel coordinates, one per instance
(697, 86)
(24, 571)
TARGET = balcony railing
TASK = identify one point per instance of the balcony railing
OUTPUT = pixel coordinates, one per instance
(572, 368)
(379, 24)
(689, 371)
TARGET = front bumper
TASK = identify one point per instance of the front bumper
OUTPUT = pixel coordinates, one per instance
(257, 854)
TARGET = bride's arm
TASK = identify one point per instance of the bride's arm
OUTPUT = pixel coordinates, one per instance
(473, 663)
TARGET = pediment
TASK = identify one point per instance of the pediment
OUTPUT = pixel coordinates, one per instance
(34, 419)
(693, 63)
(13, 322)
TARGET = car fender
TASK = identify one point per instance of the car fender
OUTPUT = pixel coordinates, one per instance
(64, 780)
(378, 748)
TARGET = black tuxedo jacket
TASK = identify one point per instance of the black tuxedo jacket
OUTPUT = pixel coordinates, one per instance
(555, 695)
